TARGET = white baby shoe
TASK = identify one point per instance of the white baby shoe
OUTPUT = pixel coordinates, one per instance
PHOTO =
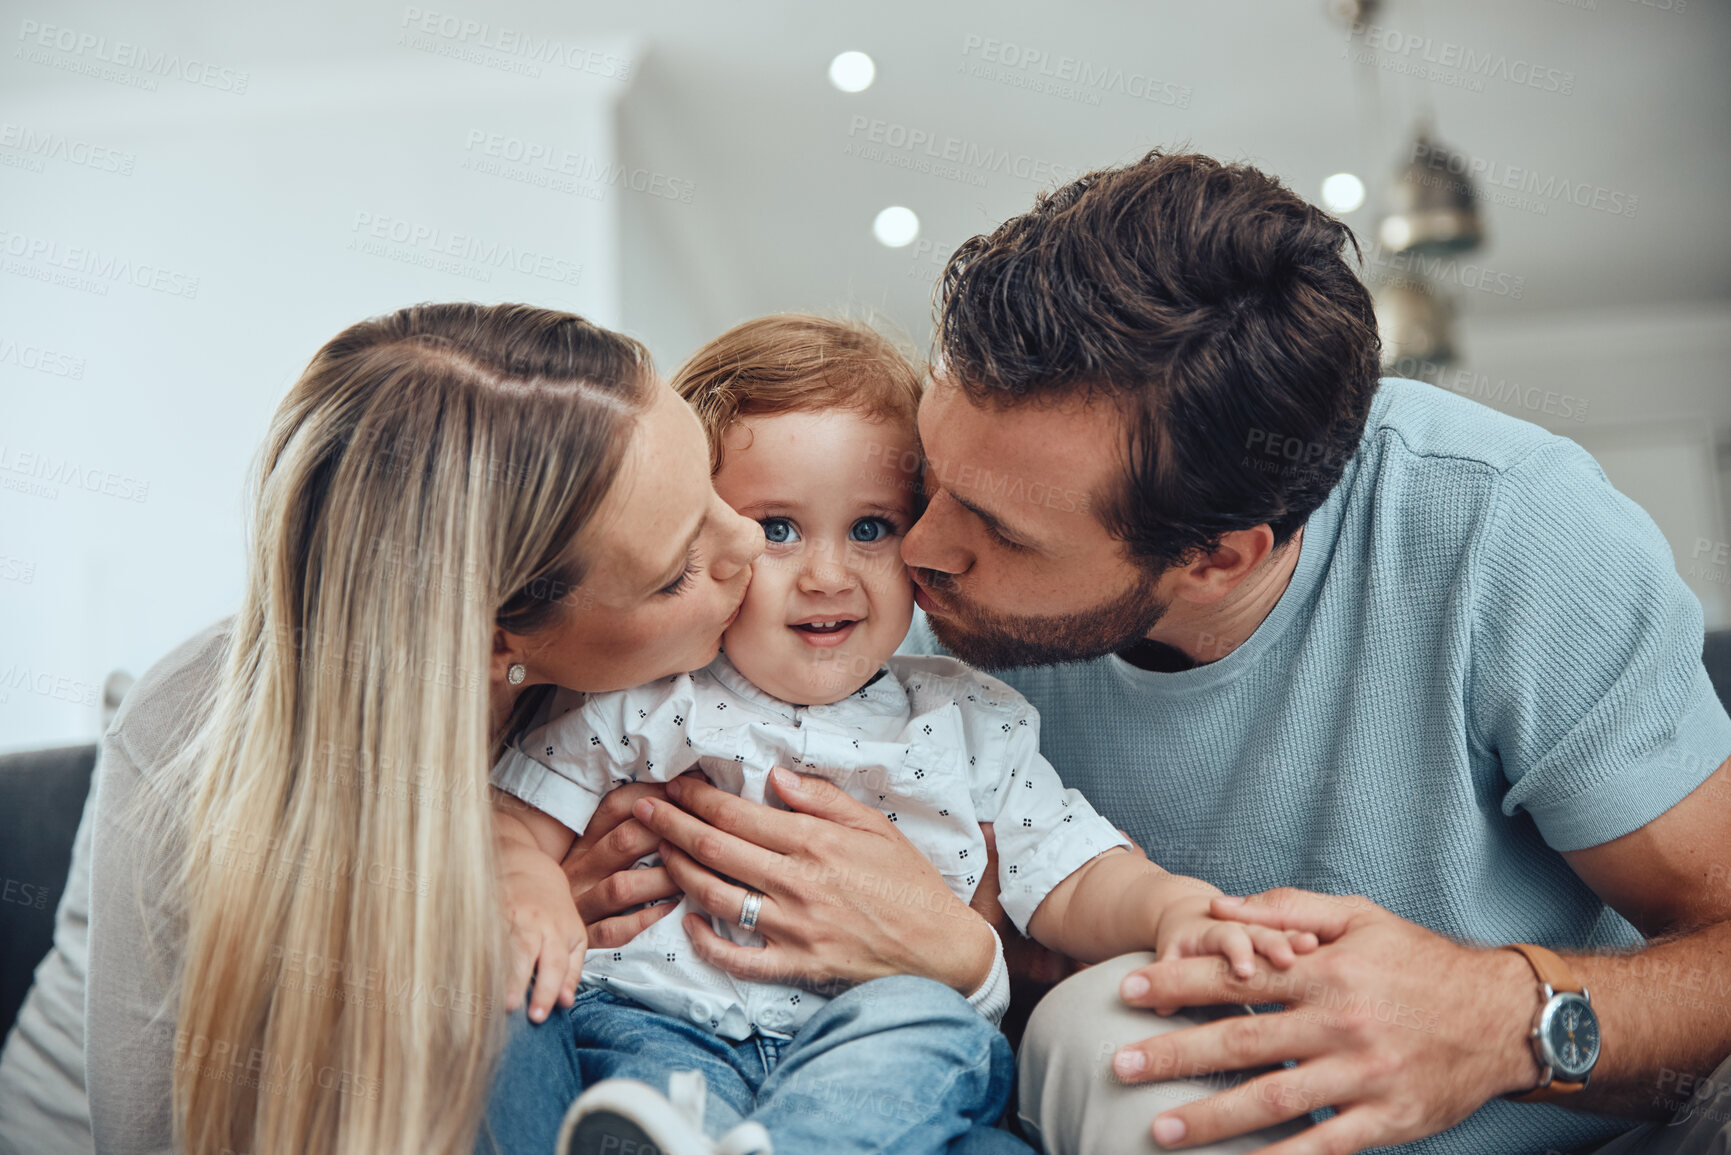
(627, 1117)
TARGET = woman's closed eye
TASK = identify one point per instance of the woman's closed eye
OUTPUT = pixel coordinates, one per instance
(683, 582)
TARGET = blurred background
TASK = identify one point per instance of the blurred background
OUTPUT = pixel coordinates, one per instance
(194, 197)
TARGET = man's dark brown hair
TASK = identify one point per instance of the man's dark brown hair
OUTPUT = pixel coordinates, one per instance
(1209, 301)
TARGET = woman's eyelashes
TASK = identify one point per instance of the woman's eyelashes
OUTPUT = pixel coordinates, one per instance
(864, 530)
(683, 582)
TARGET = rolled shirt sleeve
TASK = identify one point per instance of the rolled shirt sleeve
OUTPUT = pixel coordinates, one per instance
(1586, 679)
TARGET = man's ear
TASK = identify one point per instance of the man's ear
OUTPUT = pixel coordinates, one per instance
(1208, 577)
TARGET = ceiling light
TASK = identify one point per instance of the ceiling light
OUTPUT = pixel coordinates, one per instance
(852, 72)
(896, 226)
(1416, 323)
(1342, 192)
(1432, 204)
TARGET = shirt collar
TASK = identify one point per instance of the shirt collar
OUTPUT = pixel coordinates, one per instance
(884, 696)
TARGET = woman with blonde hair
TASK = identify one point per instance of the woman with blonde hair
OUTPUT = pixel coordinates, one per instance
(297, 942)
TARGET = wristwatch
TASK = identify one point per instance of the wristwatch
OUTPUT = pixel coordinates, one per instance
(1566, 1033)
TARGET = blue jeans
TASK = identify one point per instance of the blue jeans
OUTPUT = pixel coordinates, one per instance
(898, 1064)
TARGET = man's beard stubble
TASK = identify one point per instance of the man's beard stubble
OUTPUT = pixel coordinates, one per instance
(995, 641)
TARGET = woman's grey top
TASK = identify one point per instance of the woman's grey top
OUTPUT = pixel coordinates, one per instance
(109, 1026)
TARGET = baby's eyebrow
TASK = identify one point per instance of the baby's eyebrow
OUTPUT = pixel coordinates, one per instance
(763, 506)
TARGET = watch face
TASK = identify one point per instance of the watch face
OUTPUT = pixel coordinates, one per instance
(1570, 1033)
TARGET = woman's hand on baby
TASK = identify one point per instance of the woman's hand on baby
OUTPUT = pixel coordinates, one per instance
(547, 936)
(1189, 929)
(846, 897)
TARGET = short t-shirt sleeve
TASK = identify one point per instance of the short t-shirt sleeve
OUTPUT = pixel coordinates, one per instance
(1585, 673)
(1045, 831)
(564, 767)
(568, 787)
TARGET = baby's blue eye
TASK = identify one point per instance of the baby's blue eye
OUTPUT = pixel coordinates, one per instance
(779, 530)
(871, 529)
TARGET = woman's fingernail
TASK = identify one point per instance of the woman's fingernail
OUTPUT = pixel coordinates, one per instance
(1229, 900)
(644, 809)
(1134, 987)
(1129, 1062)
(1169, 1129)
(784, 779)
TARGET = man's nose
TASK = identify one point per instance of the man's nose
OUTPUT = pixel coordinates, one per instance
(929, 543)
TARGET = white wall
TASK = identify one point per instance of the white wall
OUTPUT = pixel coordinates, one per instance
(123, 458)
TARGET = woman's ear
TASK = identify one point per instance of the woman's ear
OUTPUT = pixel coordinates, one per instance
(508, 650)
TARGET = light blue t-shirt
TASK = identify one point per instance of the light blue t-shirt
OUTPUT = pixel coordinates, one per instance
(1484, 657)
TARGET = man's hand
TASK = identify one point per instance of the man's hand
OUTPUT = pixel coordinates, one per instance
(846, 897)
(1400, 1030)
(598, 866)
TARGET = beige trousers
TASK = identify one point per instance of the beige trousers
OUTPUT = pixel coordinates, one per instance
(1073, 1103)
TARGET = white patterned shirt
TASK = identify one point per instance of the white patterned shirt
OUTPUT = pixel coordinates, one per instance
(938, 747)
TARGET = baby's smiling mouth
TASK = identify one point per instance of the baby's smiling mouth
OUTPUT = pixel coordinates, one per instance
(825, 625)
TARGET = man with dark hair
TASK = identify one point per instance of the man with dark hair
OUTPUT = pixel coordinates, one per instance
(1295, 630)
(1303, 634)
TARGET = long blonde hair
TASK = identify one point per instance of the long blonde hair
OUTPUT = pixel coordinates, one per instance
(423, 482)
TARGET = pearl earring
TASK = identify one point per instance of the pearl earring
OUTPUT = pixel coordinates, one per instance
(515, 673)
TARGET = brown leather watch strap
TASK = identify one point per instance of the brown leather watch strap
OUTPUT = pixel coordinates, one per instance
(1556, 1090)
(1555, 973)
(1550, 967)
